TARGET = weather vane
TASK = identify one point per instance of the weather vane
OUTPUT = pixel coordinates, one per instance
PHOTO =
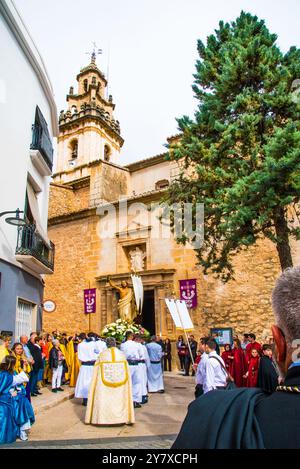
(95, 52)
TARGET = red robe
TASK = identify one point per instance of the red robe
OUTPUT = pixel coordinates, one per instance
(253, 372)
(250, 347)
(228, 361)
(239, 368)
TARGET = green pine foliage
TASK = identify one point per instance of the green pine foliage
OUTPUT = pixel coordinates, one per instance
(241, 152)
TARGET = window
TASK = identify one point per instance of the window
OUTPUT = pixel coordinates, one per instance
(41, 139)
(74, 149)
(25, 318)
(85, 85)
(163, 184)
(107, 153)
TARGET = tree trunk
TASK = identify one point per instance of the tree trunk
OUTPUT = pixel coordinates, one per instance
(283, 244)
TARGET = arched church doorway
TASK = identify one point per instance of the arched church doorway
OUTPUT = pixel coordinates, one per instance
(148, 313)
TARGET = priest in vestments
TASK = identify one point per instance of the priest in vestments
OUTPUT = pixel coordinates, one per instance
(110, 396)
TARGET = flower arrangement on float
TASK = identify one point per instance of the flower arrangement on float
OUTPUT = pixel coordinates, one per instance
(119, 328)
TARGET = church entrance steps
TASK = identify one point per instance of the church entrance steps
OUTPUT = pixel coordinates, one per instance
(49, 399)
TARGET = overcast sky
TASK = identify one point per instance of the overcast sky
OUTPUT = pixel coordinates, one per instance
(152, 50)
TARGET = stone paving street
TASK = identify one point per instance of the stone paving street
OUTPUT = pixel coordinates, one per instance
(157, 423)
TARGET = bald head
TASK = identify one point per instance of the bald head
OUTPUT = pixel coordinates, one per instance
(24, 339)
(286, 304)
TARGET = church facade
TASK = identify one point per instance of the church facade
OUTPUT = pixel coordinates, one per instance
(104, 221)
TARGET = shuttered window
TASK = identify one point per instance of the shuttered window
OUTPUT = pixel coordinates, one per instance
(25, 319)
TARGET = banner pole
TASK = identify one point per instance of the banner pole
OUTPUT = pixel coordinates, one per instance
(188, 344)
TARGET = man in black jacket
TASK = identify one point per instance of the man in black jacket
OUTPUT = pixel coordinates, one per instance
(250, 418)
(188, 360)
(37, 365)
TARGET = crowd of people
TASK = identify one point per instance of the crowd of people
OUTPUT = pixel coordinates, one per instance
(34, 362)
(261, 410)
(246, 364)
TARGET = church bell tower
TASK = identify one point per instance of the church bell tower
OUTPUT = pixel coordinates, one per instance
(88, 131)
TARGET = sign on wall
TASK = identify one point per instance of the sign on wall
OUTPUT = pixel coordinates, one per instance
(188, 292)
(49, 306)
(90, 300)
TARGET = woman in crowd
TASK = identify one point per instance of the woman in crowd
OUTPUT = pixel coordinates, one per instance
(252, 373)
(56, 361)
(228, 358)
(16, 412)
(4, 347)
(167, 355)
(181, 350)
(21, 365)
(239, 367)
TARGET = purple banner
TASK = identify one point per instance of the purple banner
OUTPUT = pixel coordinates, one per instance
(90, 301)
(188, 292)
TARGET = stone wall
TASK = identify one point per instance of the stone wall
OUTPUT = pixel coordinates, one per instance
(65, 201)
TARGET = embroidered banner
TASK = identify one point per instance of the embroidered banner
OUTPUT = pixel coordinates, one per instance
(90, 301)
(188, 292)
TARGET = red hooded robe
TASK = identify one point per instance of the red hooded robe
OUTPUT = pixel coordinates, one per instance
(253, 372)
(239, 367)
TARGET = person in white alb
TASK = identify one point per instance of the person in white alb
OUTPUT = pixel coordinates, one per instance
(215, 374)
(201, 368)
(133, 353)
(87, 357)
(143, 365)
(155, 372)
(100, 345)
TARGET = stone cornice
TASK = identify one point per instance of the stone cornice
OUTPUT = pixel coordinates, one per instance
(73, 216)
(145, 273)
(89, 165)
(73, 122)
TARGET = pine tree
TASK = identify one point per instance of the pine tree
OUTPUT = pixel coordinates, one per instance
(241, 152)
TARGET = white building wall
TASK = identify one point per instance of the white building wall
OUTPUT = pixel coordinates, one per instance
(21, 92)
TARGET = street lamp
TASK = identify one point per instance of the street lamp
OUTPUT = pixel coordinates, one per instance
(16, 220)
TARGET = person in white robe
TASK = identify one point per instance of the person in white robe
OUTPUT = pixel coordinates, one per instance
(100, 345)
(133, 354)
(143, 365)
(155, 372)
(110, 395)
(87, 357)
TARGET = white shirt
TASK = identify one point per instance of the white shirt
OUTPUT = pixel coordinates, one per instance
(86, 351)
(215, 376)
(200, 373)
(132, 350)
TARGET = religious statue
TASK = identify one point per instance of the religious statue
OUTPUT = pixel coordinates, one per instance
(137, 257)
(126, 304)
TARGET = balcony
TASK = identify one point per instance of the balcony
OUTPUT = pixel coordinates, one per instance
(34, 252)
(41, 150)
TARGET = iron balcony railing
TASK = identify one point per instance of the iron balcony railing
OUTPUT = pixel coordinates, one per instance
(42, 142)
(30, 243)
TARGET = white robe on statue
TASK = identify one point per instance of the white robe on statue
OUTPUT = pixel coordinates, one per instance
(110, 396)
(86, 353)
(132, 352)
(155, 372)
